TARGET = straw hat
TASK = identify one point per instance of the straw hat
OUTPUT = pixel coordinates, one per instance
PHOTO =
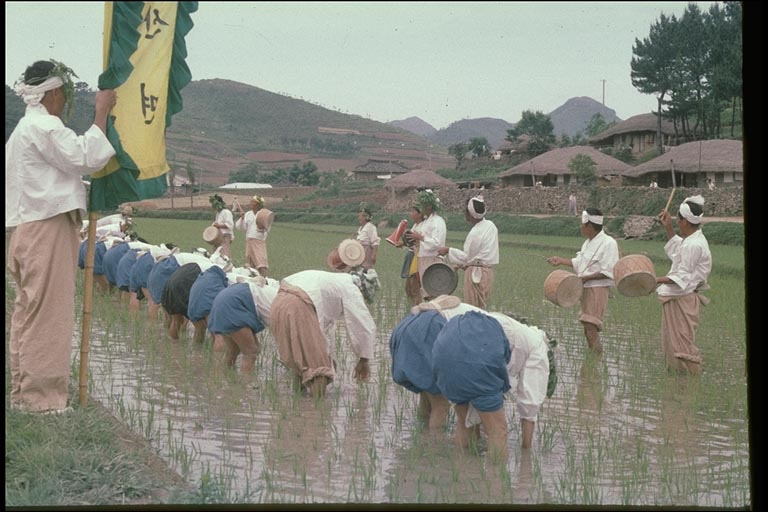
(349, 254)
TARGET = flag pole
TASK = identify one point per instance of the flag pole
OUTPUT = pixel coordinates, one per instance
(90, 257)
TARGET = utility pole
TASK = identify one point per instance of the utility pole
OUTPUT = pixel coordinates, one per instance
(603, 91)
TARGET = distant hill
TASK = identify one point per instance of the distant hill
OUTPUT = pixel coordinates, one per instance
(225, 125)
(495, 130)
(573, 116)
(415, 125)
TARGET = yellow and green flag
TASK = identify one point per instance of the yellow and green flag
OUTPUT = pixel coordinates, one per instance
(144, 61)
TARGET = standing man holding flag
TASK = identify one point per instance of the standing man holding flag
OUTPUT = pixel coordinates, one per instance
(45, 203)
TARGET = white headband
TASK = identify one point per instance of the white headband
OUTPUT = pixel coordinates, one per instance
(471, 207)
(32, 94)
(595, 219)
(685, 210)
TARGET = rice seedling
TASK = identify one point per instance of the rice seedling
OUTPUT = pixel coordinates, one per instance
(607, 436)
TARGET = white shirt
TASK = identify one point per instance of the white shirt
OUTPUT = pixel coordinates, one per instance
(434, 231)
(368, 235)
(109, 241)
(225, 218)
(691, 264)
(599, 254)
(263, 297)
(529, 364)
(109, 230)
(44, 161)
(117, 218)
(481, 246)
(140, 246)
(182, 258)
(247, 223)
(335, 295)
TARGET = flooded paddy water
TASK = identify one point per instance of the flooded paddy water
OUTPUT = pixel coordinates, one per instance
(619, 429)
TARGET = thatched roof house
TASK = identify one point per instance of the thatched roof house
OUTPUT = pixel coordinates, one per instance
(403, 186)
(551, 168)
(637, 132)
(374, 168)
(721, 161)
(418, 178)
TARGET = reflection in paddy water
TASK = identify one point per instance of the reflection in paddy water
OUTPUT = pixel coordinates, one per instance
(619, 429)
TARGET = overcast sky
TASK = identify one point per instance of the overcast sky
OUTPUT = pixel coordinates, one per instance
(440, 61)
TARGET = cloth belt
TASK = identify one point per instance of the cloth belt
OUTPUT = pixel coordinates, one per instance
(297, 292)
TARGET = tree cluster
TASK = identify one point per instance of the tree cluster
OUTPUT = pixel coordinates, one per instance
(538, 128)
(693, 67)
(306, 174)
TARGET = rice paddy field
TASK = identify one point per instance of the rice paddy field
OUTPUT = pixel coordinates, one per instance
(619, 430)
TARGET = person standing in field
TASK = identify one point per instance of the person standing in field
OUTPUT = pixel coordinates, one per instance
(256, 232)
(480, 254)
(678, 291)
(45, 203)
(368, 236)
(410, 271)
(225, 222)
(594, 265)
(430, 234)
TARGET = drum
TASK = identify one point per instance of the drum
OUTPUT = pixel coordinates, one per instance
(634, 275)
(212, 235)
(563, 288)
(264, 219)
(439, 279)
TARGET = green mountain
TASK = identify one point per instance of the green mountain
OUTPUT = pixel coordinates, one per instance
(225, 125)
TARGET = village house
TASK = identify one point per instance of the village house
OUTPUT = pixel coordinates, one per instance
(375, 169)
(637, 133)
(551, 168)
(695, 164)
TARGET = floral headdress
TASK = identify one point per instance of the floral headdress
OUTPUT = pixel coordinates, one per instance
(33, 93)
(428, 198)
(217, 202)
(366, 211)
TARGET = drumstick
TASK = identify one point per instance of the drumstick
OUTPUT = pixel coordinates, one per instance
(666, 208)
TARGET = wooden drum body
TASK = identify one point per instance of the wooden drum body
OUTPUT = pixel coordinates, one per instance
(634, 275)
(212, 235)
(264, 219)
(563, 288)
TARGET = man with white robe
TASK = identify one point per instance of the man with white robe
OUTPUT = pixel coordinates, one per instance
(45, 203)
(594, 265)
(678, 291)
(480, 254)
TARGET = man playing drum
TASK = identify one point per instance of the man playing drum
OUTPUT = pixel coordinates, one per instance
(678, 290)
(480, 254)
(594, 265)
(430, 233)
(256, 223)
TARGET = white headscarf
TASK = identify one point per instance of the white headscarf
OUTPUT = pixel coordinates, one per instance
(33, 94)
(595, 219)
(471, 207)
(685, 210)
